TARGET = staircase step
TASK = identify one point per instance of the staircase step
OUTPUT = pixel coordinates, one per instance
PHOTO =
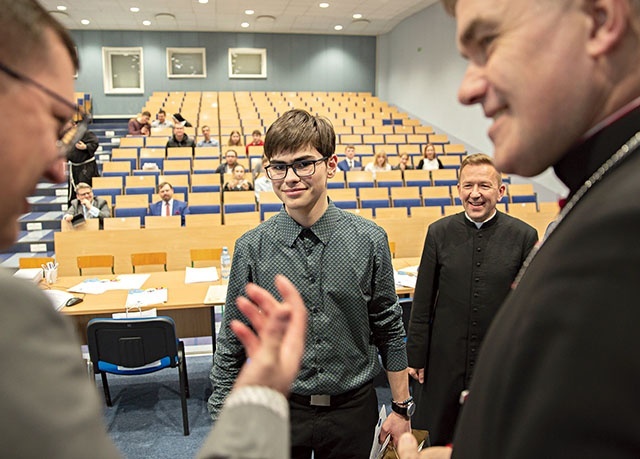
(48, 203)
(34, 242)
(36, 221)
(52, 189)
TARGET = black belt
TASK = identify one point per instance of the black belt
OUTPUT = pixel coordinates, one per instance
(326, 400)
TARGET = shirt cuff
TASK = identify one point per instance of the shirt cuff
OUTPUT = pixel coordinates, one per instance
(259, 395)
(94, 211)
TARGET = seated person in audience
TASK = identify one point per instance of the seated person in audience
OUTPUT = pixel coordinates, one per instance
(257, 140)
(350, 163)
(180, 139)
(235, 139)
(429, 161)
(262, 182)
(380, 163)
(87, 204)
(161, 122)
(178, 119)
(237, 181)
(207, 140)
(404, 164)
(230, 161)
(168, 206)
(140, 125)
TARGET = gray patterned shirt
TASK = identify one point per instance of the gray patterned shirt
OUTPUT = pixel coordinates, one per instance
(342, 268)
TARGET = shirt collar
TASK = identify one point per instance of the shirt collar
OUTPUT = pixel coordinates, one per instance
(289, 229)
(480, 224)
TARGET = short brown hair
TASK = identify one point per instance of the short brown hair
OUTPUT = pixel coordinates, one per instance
(479, 159)
(297, 129)
(256, 132)
(23, 42)
(162, 184)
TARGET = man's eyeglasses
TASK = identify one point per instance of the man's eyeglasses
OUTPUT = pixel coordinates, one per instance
(303, 168)
(71, 132)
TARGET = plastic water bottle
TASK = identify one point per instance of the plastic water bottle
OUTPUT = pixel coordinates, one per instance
(225, 264)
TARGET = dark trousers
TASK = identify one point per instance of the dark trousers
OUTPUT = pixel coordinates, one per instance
(340, 432)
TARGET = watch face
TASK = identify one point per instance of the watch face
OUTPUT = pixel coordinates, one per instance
(411, 408)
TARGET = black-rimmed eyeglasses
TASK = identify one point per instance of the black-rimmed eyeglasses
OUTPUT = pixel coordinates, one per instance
(302, 168)
(71, 132)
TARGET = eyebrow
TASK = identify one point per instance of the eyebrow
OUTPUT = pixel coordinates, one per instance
(470, 34)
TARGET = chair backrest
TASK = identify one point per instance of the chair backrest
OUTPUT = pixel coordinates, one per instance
(34, 262)
(208, 254)
(95, 261)
(121, 223)
(203, 220)
(148, 259)
(122, 346)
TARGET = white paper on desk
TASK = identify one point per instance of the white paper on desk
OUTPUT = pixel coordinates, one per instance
(409, 270)
(193, 275)
(127, 282)
(137, 297)
(92, 286)
(404, 280)
(216, 294)
(153, 312)
(57, 297)
(377, 449)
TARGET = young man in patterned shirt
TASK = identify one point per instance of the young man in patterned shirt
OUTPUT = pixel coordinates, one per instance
(341, 264)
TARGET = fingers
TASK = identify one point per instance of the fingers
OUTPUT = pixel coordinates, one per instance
(421, 375)
(407, 447)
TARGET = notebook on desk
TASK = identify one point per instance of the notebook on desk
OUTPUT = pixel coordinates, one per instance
(216, 294)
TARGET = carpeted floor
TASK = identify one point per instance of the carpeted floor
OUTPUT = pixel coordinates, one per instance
(146, 420)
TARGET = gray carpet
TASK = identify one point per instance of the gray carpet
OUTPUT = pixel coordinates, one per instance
(146, 420)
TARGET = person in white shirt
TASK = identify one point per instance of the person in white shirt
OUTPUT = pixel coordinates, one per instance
(380, 163)
(207, 140)
(161, 121)
(429, 161)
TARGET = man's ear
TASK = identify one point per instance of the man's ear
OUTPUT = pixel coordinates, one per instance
(609, 22)
(332, 164)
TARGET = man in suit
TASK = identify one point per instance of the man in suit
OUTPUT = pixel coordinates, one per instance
(168, 206)
(468, 264)
(558, 372)
(350, 163)
(87, 205)
(48, 406)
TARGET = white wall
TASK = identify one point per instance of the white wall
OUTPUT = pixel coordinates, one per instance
(419, 68)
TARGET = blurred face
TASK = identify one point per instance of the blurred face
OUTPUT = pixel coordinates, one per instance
(350, 152)
(162, 117)
(257, 137)
(28, 158)
(231, 158)
(144, 119)
(206, 132)
(238, 172)
(178, 131)
(480, 191)
(304, 197)
(381, 159)
(166, 193)
(430, 152)
(235, 137)
(526, 60)
(84, 194)
(404, 159)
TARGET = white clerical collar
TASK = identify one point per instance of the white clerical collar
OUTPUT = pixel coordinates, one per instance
(479, 225)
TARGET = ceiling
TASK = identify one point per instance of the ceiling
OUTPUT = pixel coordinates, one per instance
(270, 16)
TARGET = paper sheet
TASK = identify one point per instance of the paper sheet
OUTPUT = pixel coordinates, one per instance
(404, 280)
(135, 314)
(58, 298)
(377, 449)
(216, 294)
(140, 298)
(193, 275)
(122, 282)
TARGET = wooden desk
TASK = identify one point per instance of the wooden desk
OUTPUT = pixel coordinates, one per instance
(185, 304)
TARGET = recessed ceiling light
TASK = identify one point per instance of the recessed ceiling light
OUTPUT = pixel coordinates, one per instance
(357, 16)
(146, 23)
(323, 5)
(85, 22)
(134, 9)
(61, 8)
(244, 25)
(338, 27)
(249, 12)
(203, 1)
